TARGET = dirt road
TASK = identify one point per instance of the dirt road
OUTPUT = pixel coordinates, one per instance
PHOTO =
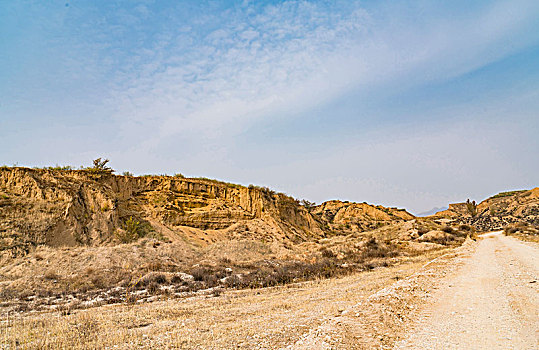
(490, 302)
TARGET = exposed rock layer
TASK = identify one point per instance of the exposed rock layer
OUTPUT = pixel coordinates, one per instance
(75, 207)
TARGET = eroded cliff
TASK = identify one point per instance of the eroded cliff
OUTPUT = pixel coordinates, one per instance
(75, 207)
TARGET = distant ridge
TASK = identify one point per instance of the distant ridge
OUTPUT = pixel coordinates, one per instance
(432, 211)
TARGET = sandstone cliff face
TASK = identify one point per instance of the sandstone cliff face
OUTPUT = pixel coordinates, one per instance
(498, 211)
(73, 207)
(53, 208)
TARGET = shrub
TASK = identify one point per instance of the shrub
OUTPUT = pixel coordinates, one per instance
(152, 287)
(326, 253)
(447, 229)
(443, 240)
(127, 173)
(131, 231)
(234, 281)
(308, 205)
(158, 278)
(176, 279)
(510, 230)
(100, 167)
(465, 227)
(200, 273)
(50, 275)
(471, 207)
(151, 278)
(97, 281)
(59, 167)
(375, 249)
(507, 194)
(211, 280)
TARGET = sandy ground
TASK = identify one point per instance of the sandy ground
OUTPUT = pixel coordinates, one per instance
(491, 302)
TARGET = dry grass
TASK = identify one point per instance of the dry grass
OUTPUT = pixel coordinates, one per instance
(266, 318)
(523, 230)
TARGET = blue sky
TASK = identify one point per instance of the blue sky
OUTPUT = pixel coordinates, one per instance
(412, 103)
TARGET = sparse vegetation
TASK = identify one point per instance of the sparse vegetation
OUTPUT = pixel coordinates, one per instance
(127, 173)
(308, 205)
(131, 230)
(507, 194)
(100, 167)
(232, 320)
(471, 207)
(230, 243)
(59, 167)
(219, 182)
(269, 193)
(523, 230)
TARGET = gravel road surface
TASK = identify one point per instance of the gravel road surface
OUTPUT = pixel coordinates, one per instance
(491, 302)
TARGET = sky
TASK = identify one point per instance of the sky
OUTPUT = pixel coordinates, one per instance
(414, 104)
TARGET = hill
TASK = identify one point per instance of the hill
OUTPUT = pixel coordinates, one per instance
(498, 211)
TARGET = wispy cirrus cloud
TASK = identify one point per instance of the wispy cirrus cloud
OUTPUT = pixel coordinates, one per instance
(287, 58)
(251, 66)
